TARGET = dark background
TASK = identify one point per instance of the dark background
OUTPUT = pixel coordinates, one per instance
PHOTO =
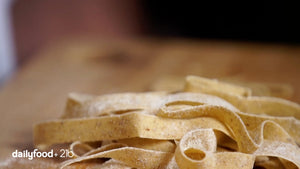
(275, 22)
(37, 23)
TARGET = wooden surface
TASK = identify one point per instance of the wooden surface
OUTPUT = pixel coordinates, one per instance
(38, 90)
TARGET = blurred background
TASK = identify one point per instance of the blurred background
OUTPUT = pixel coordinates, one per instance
(49, 48)
(27, 26)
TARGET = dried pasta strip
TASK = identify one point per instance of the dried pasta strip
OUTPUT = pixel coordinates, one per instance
(197, 149)
(289, 124)
(135, 157)
(272, 139)
(63, 131)
(229, 118)
(78, 148)
(270, 163)
(195, 99)
(187, 115)
(183, 104)
(253, 133)
(166, 117)
(176, 83)
(115, 120)
(113, 164)
(105, 148)
(215, 85)
(264, 89)
(79, 105)
(149, 144)
(250, 104)
(283, 150)
(92, 151)
(85, 149)
(118, 127)
(271, 106)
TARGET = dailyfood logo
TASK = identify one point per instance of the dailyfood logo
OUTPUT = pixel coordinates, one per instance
(63, 153)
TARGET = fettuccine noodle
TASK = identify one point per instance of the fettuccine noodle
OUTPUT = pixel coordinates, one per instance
(210, 124)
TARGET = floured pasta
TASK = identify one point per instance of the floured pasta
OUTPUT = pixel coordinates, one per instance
(210, 124)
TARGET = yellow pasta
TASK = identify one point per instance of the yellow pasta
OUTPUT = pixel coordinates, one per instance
(242, 99)
(209, 125)
(129, 125)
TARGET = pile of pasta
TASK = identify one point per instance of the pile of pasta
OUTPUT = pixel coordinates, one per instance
(209, 124)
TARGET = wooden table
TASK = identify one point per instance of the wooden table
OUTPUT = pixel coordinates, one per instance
(39, 89)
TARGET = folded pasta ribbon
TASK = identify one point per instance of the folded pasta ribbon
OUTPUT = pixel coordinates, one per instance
(241, 98)
(211, 124)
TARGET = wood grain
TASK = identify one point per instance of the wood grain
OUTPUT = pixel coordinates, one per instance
(38, 90)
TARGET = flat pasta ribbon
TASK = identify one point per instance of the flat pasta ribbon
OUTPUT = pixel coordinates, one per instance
(242, 99)
(224, 126)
